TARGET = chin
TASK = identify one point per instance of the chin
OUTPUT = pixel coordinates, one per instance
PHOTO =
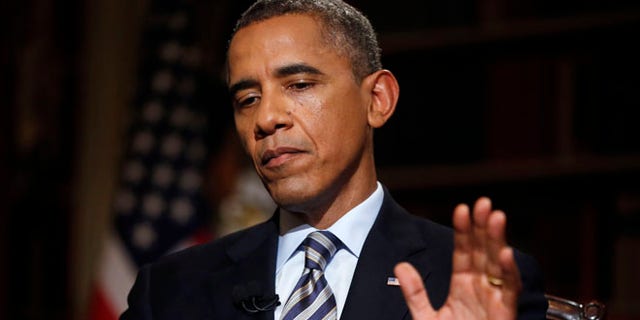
(290, 196)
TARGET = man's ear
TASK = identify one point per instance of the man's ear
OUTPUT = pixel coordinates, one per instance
(384, 91)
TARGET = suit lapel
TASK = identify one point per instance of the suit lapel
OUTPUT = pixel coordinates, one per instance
(393, 238)
(252, 261)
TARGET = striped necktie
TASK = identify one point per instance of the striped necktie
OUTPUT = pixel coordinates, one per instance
(312, 298)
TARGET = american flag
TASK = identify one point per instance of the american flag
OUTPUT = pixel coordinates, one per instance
(159, 205)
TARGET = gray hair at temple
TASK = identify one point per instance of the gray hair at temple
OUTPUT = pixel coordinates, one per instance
(343, 26)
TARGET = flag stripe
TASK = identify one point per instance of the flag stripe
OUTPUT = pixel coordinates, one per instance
(116, 274)
(159, 206)
(100, 307)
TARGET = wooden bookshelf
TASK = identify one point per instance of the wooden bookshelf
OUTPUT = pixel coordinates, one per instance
(499, 32)
(534, 103)
(480, 174)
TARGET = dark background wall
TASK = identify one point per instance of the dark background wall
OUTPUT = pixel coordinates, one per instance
(533, 103)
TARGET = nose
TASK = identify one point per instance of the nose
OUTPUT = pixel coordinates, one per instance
(273, 114)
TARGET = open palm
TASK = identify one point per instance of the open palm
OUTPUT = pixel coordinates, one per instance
(485, 281)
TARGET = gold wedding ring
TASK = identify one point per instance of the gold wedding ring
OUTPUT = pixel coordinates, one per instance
(496, 282)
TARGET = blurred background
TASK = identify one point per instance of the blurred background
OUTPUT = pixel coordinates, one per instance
(117, 145)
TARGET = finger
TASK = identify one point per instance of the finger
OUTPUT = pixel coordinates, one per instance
(481, 211)
(511, 275)
(414, 291)
(462, 242)
(496, 241)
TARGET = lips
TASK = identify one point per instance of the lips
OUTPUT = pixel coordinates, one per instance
(274, 157)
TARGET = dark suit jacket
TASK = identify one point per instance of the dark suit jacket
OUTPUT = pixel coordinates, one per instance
(197, 283)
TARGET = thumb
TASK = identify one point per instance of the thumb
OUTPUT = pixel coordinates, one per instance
(413, 291)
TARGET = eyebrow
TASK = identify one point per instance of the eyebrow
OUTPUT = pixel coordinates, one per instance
(296, 68)
(281, 72)
(241, 85)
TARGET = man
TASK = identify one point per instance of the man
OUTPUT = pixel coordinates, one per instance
(308, 91)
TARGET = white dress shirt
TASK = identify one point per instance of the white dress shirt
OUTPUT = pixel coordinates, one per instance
(352, 229)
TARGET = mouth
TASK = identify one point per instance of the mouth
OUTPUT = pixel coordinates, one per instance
(275, 157)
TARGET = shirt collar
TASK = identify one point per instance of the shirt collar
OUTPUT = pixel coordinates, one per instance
(352, 229)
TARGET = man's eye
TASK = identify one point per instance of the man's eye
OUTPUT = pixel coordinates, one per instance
(299, 86)
(247, 101)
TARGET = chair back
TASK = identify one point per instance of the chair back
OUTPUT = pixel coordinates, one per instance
(565, 309)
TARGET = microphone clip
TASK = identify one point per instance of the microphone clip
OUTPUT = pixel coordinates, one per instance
(252, 298)
(259, 304)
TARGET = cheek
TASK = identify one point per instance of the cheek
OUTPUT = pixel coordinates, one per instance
(329, 107)
(340, 132)
(347, 115)
(308, 104)
(243, 123)
(245, 133)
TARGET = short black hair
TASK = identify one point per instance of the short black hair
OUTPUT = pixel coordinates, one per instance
(343, 26)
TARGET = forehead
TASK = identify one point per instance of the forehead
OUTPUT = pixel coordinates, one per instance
(276, 41)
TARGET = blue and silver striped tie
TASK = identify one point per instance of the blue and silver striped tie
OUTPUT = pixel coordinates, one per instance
(312, 298)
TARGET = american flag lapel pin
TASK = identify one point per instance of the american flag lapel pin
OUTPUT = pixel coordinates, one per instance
(393, 281)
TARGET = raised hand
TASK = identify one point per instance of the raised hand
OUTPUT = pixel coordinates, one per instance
(485, 281)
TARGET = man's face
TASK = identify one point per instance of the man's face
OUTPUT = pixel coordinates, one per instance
(299, 112)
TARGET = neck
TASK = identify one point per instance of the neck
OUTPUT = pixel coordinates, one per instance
(325, 218)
